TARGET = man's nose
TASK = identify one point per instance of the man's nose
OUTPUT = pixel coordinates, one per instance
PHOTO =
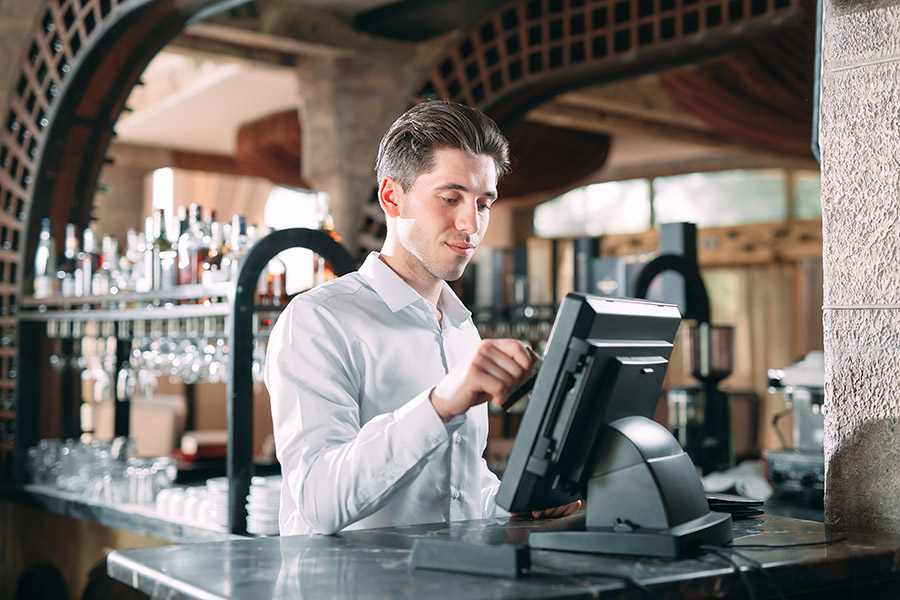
(467, 217)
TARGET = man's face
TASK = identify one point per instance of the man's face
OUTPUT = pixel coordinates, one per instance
(445, 214)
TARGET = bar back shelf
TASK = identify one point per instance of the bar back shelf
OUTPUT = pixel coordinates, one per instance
(119, 315)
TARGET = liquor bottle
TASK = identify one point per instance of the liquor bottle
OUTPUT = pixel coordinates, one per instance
(181, 219)
(226, 237)
(237, 247)
(212, 264)
(106, 278)
(161, 256)
(251, 236)
(322, 271)
(45, 262)
(143, 278)
(205, 231)
(270, 285)
(65, 271)
(277, 282)
(193, 247)
(88, 263)
(209, 222)
(261, 295)
(181, 225)
(128, 262)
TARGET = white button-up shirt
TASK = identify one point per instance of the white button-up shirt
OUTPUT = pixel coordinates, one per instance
(349, 369)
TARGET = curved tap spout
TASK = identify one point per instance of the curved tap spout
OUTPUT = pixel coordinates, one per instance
(697, 305)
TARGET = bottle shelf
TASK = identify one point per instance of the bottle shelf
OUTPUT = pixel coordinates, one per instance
(239, 323)
(137, 307)
(221, 291)
(146, 313)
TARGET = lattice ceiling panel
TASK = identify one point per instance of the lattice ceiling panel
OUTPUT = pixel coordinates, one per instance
(526, 49)
(63, 28)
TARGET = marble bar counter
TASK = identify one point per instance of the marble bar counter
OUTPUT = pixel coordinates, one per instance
(808, 561)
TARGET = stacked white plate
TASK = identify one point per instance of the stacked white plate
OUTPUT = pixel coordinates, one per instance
(262, 505)
(218, 500)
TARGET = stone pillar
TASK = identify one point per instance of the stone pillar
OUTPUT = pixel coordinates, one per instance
(346, 105)
(860, 143)
(511, 225)
(352, 86)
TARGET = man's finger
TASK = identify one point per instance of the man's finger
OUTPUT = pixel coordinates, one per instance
(514, 349)
(490, 377)
(496, 363)
(557, 511)
(571, 508)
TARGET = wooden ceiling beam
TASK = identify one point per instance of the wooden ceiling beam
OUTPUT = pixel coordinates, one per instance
(642, 97)
(563, 114)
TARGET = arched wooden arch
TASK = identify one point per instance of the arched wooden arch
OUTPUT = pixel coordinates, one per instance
(531, 50)
(79, 65)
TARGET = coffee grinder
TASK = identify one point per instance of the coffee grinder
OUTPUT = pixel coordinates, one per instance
(711, 361)
(711, 348)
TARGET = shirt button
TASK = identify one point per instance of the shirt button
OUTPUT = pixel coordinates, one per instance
(454, 494)
(457, 439)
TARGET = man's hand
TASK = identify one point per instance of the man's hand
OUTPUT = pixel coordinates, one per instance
(548, 513)
(487, 374)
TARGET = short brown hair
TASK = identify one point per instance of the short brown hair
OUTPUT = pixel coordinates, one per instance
(407, 149)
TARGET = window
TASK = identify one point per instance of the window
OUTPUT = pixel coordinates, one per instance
(807, 195)
(722, 198)
(286, 208)
(711, 199)
(613, 207)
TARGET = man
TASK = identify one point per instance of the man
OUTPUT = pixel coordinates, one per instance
(378, 379)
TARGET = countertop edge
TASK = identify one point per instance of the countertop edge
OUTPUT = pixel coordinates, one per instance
(127, 517)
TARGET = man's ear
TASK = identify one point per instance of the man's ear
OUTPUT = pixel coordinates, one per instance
(388, 196)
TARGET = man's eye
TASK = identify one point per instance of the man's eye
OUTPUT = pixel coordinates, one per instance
(449, 200)
(484, 207)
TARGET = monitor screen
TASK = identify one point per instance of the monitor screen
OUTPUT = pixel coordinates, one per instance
(605, 359)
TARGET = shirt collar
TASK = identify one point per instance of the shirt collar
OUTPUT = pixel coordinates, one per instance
(398, 294)
(453, 307)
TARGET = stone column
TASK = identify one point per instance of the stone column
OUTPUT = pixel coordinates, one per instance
(511, 225)
(352, 86)
(346, 105)
(860, 143)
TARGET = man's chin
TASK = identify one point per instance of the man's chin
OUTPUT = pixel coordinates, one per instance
(452, 274)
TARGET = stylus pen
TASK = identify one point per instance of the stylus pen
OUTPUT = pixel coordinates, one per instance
(526, 384)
